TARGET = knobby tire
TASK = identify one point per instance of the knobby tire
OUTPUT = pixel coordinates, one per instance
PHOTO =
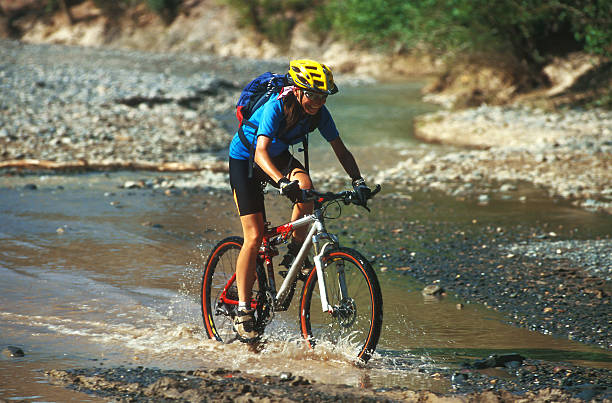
(219, 269)
(358, 322)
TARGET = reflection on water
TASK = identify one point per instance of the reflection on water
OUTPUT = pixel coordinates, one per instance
(96, 275)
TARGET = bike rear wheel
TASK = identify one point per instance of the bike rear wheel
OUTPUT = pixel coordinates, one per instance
(219, 295)
(354, 293)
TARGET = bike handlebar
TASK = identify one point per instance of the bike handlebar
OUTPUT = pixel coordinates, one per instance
(346, 196)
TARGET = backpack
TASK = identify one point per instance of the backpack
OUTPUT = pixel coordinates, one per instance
(257, 93)
(252, 97)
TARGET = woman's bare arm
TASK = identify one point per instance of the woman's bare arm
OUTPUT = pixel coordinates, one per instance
(262, 158)
(346, 159)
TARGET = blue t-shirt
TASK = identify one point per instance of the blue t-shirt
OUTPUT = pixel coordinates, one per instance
(268, 118)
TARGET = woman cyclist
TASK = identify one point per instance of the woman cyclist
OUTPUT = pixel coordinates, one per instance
(282, 121)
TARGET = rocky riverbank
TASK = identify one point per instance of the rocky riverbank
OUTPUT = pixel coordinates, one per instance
(567, 153)
(572, 384)
(58, 106)
(79, 108)
(82, 108)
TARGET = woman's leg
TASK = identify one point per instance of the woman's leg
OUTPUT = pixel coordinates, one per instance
(252, 229)
(301, 209)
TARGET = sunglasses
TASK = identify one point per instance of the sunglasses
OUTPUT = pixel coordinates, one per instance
(314, 96)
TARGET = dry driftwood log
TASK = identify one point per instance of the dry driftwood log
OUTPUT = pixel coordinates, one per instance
(115, 165)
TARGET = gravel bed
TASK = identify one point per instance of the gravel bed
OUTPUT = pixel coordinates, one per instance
(517, 271)
(66, 104)
(594, 256)
(566, 153)
(524, 379)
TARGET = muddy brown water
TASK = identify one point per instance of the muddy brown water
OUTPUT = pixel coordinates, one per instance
(96, 275)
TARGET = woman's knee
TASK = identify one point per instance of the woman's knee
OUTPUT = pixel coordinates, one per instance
(252, 239)
(302, 177)
(252, 230)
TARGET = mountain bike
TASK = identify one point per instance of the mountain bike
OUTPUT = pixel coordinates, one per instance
(350, 310)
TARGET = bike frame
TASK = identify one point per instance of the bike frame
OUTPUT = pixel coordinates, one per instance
(316, 234)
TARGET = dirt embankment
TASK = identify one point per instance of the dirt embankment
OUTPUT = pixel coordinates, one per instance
(211, 27)
(201, 27)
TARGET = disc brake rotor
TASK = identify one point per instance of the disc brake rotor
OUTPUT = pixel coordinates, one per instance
(346, 312)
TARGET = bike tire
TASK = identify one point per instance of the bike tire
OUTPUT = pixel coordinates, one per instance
(218, 275)
(358, 322)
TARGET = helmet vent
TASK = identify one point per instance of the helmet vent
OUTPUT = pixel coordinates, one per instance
(313, 76)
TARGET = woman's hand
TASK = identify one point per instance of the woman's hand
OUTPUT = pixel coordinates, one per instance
(290, 189)
(362, 191)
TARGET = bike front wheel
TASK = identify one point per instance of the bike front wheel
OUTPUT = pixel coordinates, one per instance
(354, 293)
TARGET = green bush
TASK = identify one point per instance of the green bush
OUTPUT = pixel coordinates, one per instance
(273, 18)
(165, 8)
(529, 29)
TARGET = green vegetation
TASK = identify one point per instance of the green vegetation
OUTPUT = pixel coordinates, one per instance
(529, 29)
(273, 18)
(167, 9)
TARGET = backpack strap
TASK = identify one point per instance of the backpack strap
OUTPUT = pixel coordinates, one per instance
(314, 123)
(249, 145)
(305, 150)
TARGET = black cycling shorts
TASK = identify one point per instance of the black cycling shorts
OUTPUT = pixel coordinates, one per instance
(248, 192)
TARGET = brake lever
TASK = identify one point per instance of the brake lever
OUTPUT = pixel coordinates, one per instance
(354, 200)
(377, 189)
(372, 193)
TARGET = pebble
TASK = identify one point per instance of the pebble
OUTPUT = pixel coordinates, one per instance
(433, 289)
(100, 109)
(12, 351)
(565, 153)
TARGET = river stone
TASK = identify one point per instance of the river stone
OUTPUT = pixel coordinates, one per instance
(432, 290)
(12, 351)
(494, 360)
(459, 378)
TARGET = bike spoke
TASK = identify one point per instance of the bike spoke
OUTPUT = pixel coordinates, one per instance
(219, 281)
(354, 324)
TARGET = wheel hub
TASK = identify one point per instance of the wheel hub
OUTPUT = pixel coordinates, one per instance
(346, 312)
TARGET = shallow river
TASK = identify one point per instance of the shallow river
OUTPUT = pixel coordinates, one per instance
(95, 275)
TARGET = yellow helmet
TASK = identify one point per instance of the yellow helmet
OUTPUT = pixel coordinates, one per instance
(312, 76)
